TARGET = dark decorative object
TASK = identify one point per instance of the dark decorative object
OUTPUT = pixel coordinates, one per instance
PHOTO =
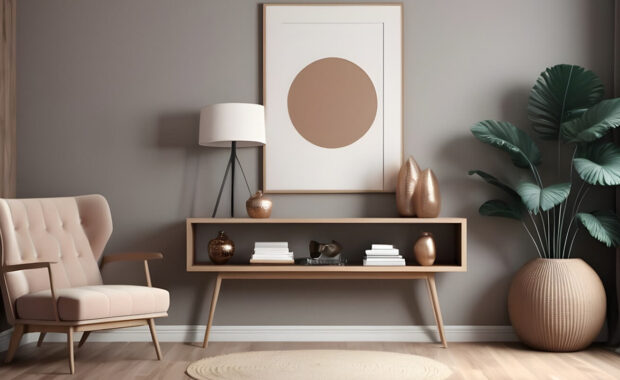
(317, 249)
(259, 206)
(424, 249)
(338, 261)
(221, 249)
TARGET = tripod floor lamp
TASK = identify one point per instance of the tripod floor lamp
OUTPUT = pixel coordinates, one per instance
(234, 125)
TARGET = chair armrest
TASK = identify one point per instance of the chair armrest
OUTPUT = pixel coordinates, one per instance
(36, 265)
(135, 256)
(131, 256)
(28, 265)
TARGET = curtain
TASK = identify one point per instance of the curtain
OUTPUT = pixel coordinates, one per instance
(8, 107)
(613, 320)
(613, 312)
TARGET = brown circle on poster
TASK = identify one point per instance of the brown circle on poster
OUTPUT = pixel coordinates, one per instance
(332, 102)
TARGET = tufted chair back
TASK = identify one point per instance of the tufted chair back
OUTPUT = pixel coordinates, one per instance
(72, 231)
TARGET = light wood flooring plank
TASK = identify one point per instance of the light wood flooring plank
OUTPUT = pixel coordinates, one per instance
(469, 361)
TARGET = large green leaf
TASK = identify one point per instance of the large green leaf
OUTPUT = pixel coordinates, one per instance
(593, 124)
(501, 209)
(507, 137)
(495, 182)
(561, 93)
(604, 226)
(598, 164)
(537, 199)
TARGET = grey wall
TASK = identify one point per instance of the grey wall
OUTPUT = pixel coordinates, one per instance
(108, 101)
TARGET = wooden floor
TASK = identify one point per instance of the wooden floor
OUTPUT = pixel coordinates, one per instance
(469, 361)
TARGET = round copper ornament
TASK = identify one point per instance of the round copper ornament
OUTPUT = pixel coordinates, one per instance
(259, 206)
(221, 249)
(424, 249)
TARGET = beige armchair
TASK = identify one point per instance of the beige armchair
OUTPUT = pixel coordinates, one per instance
(50, 278)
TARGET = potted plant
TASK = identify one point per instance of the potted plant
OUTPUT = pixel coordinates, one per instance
(557, 303)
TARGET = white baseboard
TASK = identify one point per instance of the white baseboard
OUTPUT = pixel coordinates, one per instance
(4, 339)
(189, 333)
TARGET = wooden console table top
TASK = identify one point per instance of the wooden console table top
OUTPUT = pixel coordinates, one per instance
(327, 220)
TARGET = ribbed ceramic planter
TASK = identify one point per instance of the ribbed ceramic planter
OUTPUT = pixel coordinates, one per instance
(557, 304)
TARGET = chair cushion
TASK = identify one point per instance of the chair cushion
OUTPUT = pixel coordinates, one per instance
(93, 302)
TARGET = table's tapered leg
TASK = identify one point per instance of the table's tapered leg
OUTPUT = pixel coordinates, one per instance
(432, 289)
(216, 293)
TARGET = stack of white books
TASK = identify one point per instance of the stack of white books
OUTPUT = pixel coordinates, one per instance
(383, 255)
(272, 253)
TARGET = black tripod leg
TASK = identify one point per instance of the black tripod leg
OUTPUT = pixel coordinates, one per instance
(219, 195)
(242, 172)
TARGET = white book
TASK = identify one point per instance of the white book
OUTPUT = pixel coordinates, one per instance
(271, 250)
(259, 261)
(382, 260)
(270, 260)
(287, 254)
(272, 257)
(273, 253)
(271, 244)
(385, 263)
(399, 257)
(382, 252)
(381, 246)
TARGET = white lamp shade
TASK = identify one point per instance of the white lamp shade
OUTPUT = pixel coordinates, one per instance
(222, 123)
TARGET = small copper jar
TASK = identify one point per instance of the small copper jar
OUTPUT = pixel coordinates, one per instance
(259, 206)
(221, 249)
(424, 249)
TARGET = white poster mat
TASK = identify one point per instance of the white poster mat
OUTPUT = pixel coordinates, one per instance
(370, 37)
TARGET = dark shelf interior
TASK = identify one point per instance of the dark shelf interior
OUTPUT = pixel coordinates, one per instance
(355, 238)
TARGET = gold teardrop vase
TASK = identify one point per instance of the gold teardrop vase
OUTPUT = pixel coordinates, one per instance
(405, 187)
(426, 197)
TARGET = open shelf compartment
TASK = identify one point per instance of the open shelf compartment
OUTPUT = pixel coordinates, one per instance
(355, 234)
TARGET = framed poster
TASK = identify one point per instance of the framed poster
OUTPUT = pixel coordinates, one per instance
(333, 95)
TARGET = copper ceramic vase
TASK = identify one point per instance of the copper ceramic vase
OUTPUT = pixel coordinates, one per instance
(426, 197)
(557, 304)
(424, 249)
(221, 249)
(405, 187)
(259, 206)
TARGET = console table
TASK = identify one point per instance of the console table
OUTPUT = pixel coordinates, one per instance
(356, 234)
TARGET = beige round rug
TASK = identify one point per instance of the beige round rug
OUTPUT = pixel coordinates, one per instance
(318, 364)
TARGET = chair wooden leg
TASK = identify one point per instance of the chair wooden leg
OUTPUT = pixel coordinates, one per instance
(18, 331)
(432, 289)
(85, 335)
(154, 337)
(41, 337)
(216, 293)
(70, 347)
